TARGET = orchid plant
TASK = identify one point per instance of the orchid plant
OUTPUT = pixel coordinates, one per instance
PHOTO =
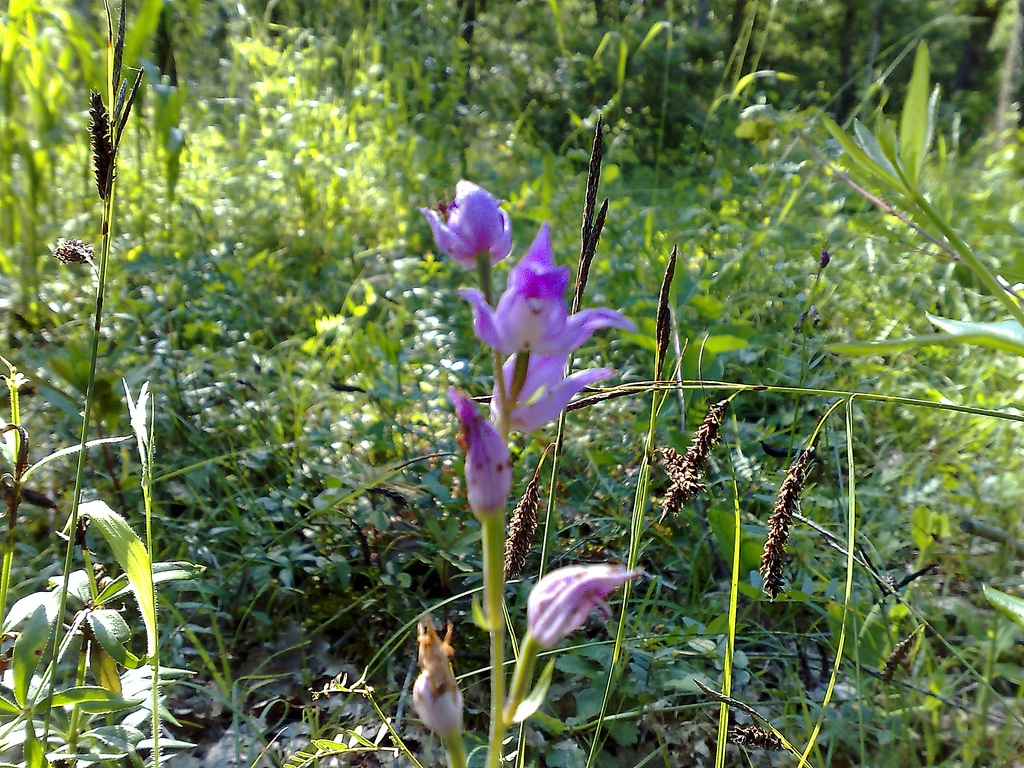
(531, 334)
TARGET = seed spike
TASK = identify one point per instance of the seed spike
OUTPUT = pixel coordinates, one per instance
(102, 150)
(786, 505)
(590, 231)
(115, 72)
(126, 111)
(663, 324)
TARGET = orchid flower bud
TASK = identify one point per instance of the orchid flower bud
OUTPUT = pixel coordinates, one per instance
(488, 464)
(562, 600)
(470, 226)
(435, 694)
(532, 315)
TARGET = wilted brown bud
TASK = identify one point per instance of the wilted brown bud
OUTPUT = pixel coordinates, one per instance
(73, 252)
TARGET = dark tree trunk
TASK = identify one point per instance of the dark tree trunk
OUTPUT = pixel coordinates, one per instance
(743, 13)
(163, 46)
(1011, 62)
(974, 56)
(844, 46)
(702, 13)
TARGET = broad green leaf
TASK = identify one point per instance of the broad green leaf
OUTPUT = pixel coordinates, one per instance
(1007, 335)
(914, 122)
(131, 555)
(1004, 335)
(9, 707)
(34, 753)
(1008, 605)
(532, 703)
(885, 134)
(111, 632)
(28, 651)
(104, 668)
(27, 606)
(172, 571)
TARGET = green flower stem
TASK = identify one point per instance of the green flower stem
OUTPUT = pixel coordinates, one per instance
(76, 713)
(494, 597)
(8, 545)
(456, 751)
(94, 353)
(483, 267)
(522, 676)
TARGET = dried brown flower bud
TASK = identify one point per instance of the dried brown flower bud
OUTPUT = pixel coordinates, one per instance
(73, 252)
(786, 505)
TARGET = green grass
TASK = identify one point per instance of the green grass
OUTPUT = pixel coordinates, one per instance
(277, 291)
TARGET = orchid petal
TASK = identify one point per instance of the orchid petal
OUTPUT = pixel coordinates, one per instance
(485, 321)
(536, 413)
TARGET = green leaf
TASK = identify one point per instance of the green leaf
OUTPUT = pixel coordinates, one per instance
(1008, 605)
(27, 606)
(479, 617)
(914, 122)
(857, 156)
(652, 33)
(28, 651)
(532, 703)
(9, 707)
(131, 555)
(94, 699)
(141, 30)
(72, 450)
(104, 668)
(885, 162)
(1004, 335)
(171, 571)
(111, 632)
(34, 754)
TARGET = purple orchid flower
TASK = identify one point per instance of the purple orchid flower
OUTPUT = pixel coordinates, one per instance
(488, 465)
(532, 315)
(470, 226)
(545, 392)
(561, 601)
